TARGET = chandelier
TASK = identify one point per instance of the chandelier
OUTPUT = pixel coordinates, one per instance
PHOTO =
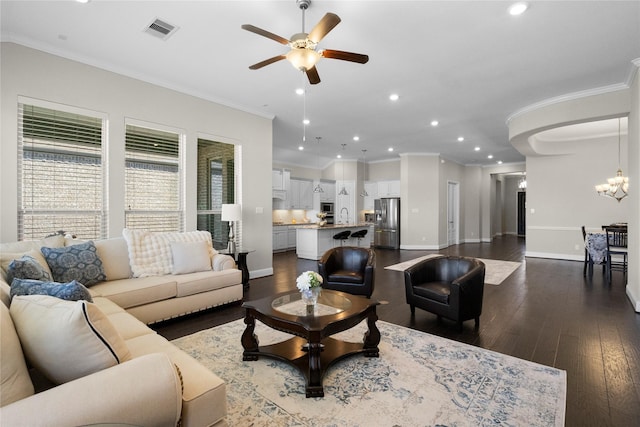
(344, 191)
(618, 186)
(318, 188)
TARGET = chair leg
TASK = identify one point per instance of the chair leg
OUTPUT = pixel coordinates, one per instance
(413, 309)
(459, 325)
(477, 326)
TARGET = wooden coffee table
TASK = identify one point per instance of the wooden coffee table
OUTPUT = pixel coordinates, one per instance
(311, 350)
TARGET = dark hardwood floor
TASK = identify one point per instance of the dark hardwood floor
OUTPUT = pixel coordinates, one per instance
(545, 312)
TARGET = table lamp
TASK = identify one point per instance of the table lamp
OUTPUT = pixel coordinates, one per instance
(231, 213)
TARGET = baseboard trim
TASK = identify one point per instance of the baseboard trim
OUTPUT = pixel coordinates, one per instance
(421, 247)
(254, 274)
(635, 302)
(547, 255)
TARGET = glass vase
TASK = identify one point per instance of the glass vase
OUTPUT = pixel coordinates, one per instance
(310, 298)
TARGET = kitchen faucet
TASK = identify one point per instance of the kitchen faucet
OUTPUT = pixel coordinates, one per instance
(344, 209)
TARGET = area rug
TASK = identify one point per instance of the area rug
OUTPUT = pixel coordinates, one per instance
(495, 270)
(418, 380)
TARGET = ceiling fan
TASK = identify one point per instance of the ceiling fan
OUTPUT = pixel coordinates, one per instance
(303, 54)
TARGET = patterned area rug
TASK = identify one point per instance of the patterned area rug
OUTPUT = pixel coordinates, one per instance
(495, 270)
(419, 379)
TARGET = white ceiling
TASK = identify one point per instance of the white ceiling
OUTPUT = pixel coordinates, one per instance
(467, 64)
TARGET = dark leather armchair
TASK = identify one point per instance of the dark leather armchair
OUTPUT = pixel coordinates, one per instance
(448, 286)
(348, 269)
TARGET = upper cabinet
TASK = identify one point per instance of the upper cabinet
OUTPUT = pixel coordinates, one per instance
(301, 194)
(329, 194)
(372, 193)
(388, 189)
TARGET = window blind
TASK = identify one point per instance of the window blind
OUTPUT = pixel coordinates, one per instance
(153, 193)
(60, 173)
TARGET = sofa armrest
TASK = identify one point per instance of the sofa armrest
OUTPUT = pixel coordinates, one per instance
(223, 262)
(144, 391)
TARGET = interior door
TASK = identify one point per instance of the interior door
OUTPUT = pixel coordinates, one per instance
(453, 200)
(522, 213)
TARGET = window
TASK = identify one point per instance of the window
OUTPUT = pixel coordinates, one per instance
(153, 196)
(60, 172)
(217, 173)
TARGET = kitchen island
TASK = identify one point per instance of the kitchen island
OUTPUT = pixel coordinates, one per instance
(313, 241)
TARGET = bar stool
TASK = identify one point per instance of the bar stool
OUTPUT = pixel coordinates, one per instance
(342, 236)
(359, 235)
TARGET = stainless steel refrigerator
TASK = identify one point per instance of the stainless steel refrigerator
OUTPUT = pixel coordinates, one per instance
(387, 223)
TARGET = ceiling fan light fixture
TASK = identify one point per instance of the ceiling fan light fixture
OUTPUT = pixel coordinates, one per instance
(303, 59)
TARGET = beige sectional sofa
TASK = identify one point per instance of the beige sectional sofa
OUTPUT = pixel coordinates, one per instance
(155, 384)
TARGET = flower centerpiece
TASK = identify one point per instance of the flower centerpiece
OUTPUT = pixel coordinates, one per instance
(322, 216)
(310, 285)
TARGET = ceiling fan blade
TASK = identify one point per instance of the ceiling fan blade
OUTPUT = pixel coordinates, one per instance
(267, 62)
(313, 76)
(265, 33)
(345, 56)
(323, 27)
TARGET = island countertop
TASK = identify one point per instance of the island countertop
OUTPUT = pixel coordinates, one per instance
(312, 241)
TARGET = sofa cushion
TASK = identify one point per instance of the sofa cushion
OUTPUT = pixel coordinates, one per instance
(66, 340)
(150, 252)
(115, 258)
(77, 262)
(195, 283)
(133, 292)
(27, 267)
(72, 291)
(204, 396)
(24, 246)
(190, 257)
(15, 383)
(6, 258)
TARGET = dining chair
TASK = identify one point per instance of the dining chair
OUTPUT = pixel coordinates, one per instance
(588, 259)
(617, 255)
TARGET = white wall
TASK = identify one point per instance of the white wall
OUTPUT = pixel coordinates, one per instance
(31, 73)
(510, 216)
(633, 276)
(472, 195)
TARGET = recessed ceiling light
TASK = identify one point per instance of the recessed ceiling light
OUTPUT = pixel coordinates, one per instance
(518, 8)
(306, 121)
(434, 123)
(390, 149)
(394, 97)
(477, 149)
(490, 156)
(499, 162)
(339, 156)
(356, 138)
(83, 1)
(460, 138)
(300, 91)
(301, 147)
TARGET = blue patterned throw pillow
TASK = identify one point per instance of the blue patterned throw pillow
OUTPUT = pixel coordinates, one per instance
(72, 291)
(26, 267)
(77, 262)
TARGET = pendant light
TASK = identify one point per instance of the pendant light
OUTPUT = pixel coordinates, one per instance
(616, 187)
(318, 188)
(343, 192)
(364, 174)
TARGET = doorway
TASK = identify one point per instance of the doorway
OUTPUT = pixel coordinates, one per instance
(522, 213)
(453, 215)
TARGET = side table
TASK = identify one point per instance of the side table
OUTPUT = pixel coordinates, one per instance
(240, 256)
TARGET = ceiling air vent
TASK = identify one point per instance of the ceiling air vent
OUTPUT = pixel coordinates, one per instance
(160, 29)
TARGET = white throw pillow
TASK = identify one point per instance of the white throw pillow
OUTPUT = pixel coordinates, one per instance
(190, 257)
(66, 340)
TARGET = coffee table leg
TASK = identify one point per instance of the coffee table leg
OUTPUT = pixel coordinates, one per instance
(314, 386)
(249, 339)
(372, 337)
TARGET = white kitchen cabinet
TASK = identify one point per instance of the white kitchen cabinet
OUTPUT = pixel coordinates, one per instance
(301, 194)
(329, 194)
(291, 237)
(388, 188)
(276, 179)
(280, 238)
(372, 190)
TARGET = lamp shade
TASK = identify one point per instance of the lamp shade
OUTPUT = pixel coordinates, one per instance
(231, 212)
